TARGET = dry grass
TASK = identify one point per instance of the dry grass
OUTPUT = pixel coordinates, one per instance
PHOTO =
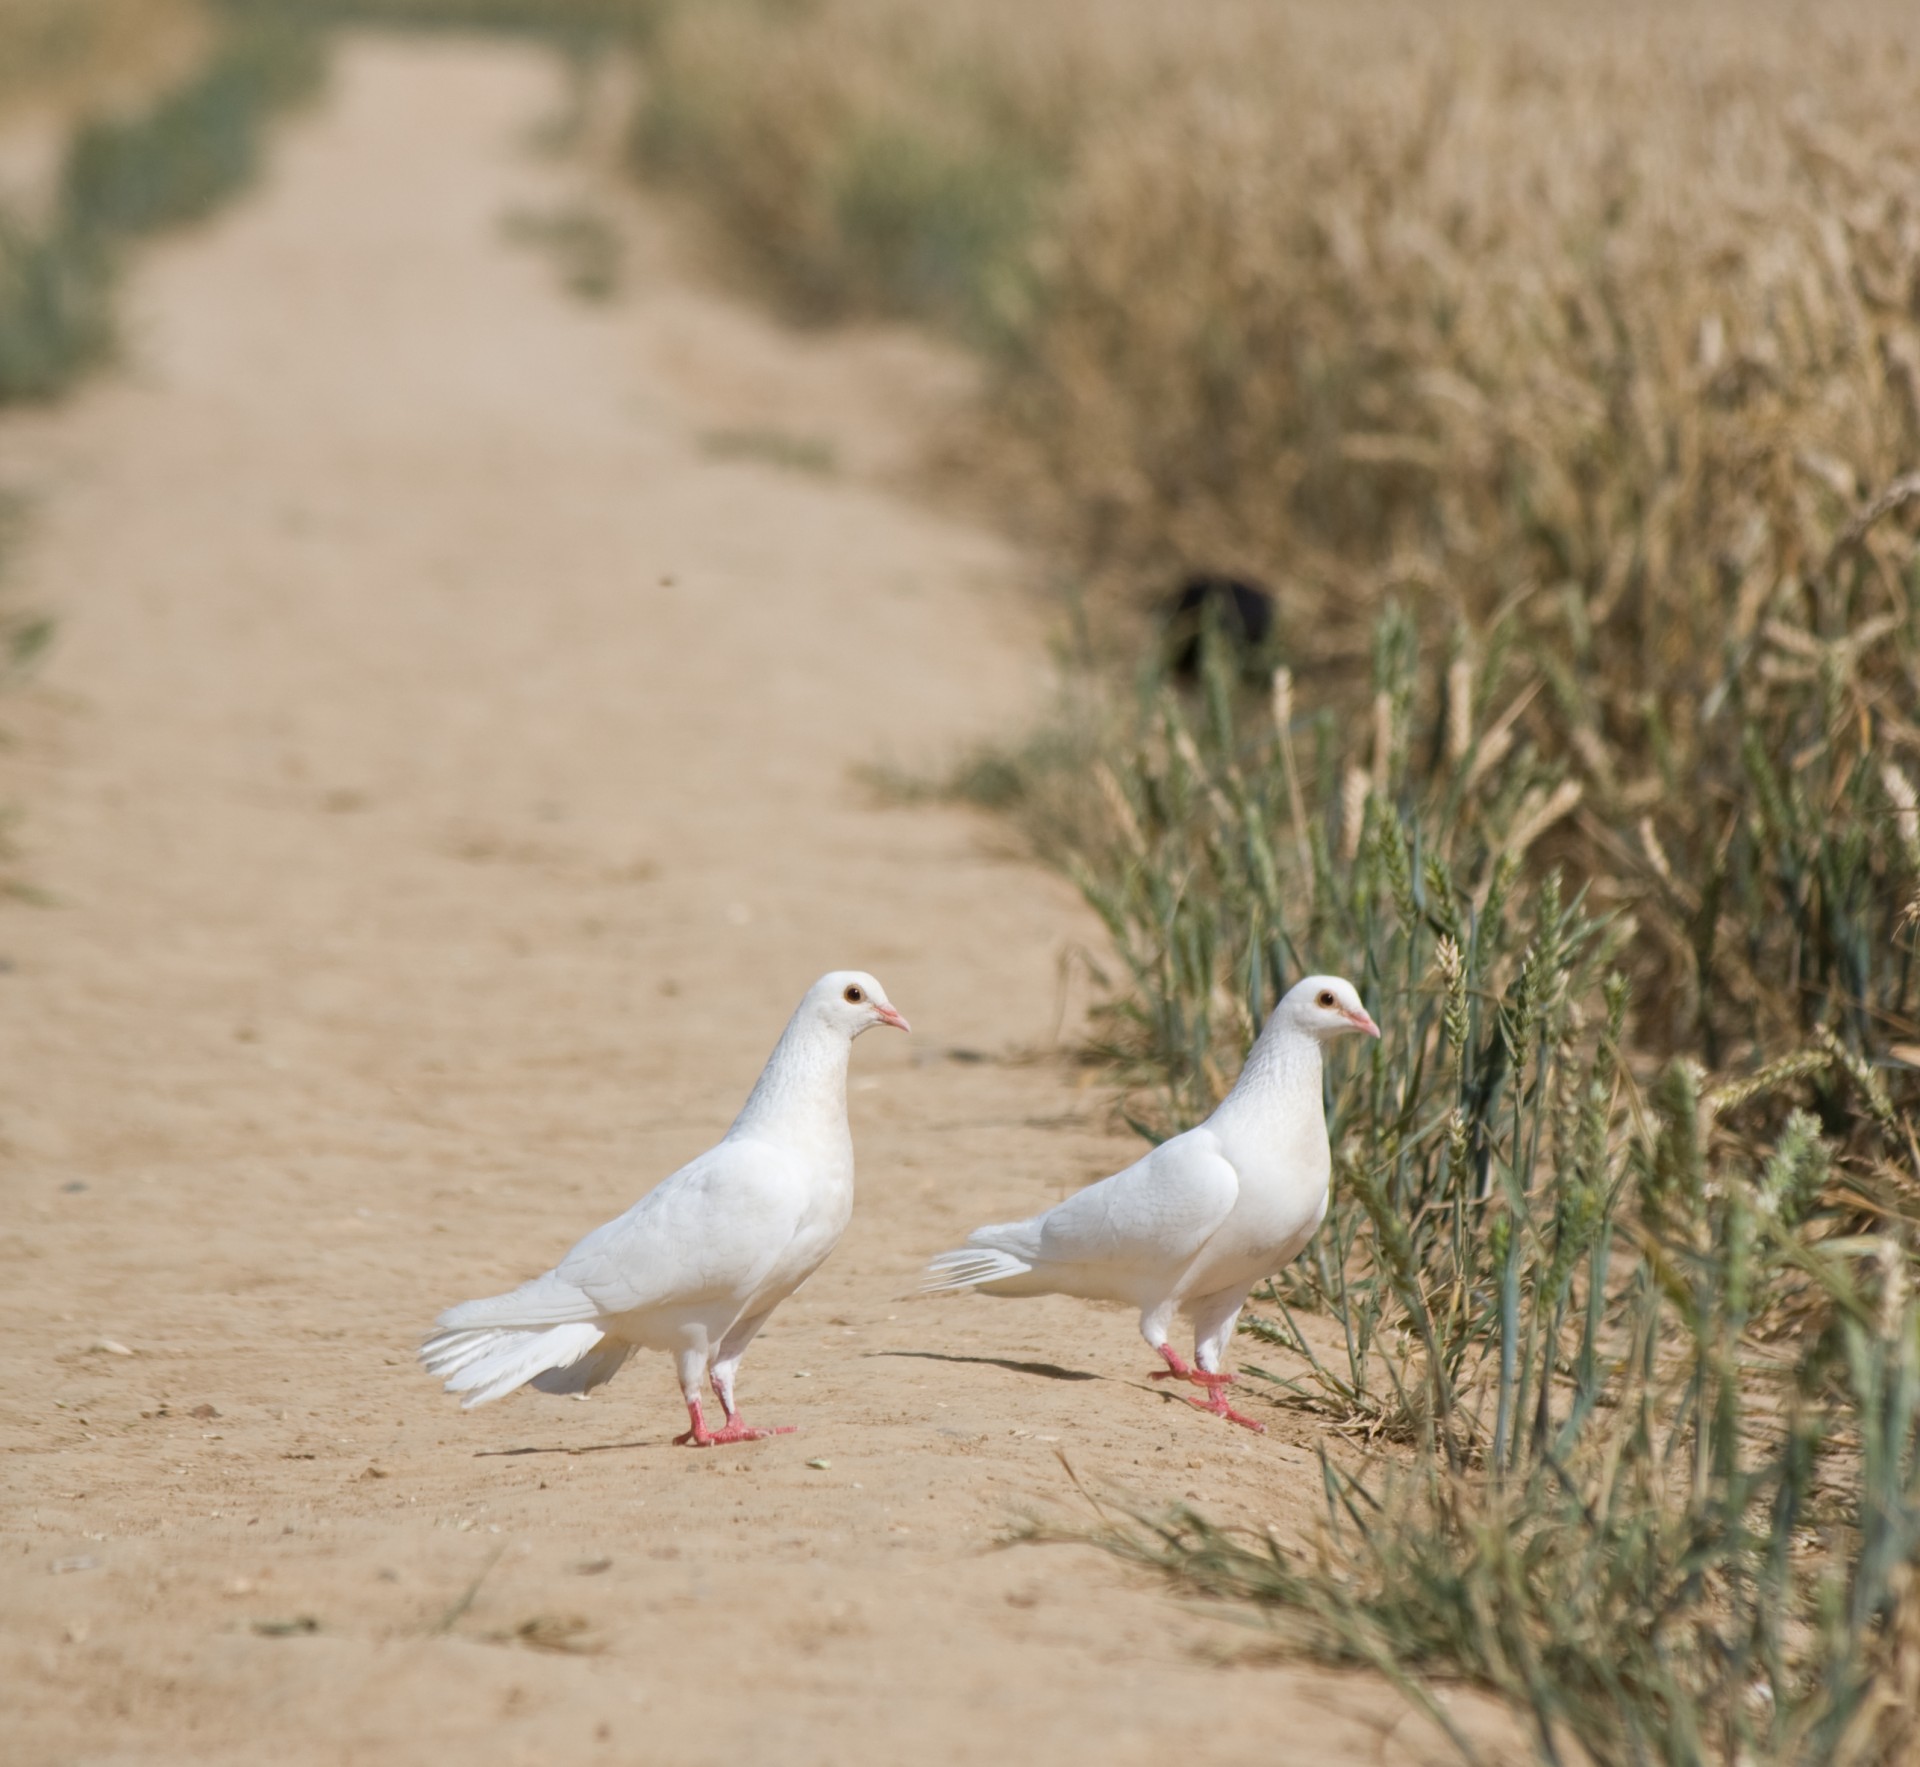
(882, 158)
(59, 57)
(1361, 300)
(589, 22)
(1600, 347)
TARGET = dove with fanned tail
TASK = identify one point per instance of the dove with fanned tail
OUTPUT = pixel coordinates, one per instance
(698, 1264)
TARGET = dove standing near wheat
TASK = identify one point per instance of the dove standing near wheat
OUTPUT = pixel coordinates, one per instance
(697, 1264)
(1193, 1226)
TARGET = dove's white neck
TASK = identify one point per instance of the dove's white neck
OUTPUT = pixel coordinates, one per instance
(1282, 1067)
(802, 1091)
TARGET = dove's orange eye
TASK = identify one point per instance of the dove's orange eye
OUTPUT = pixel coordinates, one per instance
(853, 996)
(1326, 996)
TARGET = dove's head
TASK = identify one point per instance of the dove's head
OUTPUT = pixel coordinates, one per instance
(851, 1001)
(1324, 1007)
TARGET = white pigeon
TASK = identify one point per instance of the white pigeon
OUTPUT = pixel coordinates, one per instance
(698, 1263)
(1193, 1226)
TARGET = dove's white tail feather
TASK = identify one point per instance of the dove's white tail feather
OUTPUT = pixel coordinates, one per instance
(598, 1366)
(446, 1353)
(979, 1266)
(488, 1363)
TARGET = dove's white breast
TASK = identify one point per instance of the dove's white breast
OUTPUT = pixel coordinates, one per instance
(1278, 1150)
(825, 1208)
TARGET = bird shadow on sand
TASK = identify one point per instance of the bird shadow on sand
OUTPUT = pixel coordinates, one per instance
(1045, 1370)
(587, 1448)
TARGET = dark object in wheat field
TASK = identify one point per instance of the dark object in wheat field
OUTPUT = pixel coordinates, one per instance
(1239, 611)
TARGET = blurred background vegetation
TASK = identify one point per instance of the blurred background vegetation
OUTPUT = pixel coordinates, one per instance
(117, 119)
(1556, 373)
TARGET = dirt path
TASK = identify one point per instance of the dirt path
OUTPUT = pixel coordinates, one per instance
(446, 779)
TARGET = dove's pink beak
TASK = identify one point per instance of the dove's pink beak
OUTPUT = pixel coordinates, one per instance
(889, 1017)
(1361, 1022)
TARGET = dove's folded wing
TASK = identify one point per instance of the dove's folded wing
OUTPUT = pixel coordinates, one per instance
(711, 1231)
(1155, 1215)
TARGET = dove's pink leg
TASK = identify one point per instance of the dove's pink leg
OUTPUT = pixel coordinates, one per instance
(691, 1359)
(1177, 1369)
(698, 1436)
(733, 1430)
(726, 1359)
(1216, 1400)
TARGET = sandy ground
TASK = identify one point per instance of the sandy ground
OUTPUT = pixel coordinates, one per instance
(446, 782)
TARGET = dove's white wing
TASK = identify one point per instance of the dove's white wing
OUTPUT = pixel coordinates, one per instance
(1155, 1215)
(1126, 1238)
(712, 1231)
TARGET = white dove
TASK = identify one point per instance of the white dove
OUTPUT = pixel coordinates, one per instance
(698, 1263)
(1193, 1226)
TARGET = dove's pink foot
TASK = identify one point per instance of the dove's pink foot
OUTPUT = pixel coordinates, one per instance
(1216, 1404)
(1176, 1369)
(733, 1430)
(1216, 1400)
